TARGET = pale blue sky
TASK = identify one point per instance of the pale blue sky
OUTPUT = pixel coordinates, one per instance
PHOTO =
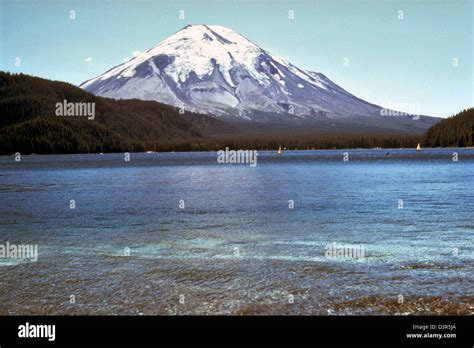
(391, 60)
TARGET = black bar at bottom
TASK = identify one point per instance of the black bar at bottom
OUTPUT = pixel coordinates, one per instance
(196, 330)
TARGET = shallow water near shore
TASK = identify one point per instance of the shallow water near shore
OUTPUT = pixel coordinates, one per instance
(225, 239)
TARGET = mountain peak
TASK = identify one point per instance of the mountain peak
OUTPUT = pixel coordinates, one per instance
(206, 28)
(215, 70)
(210, 34)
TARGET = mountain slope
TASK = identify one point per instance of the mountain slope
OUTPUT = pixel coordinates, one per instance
(457, 130)
(28, 123)
(215, 70)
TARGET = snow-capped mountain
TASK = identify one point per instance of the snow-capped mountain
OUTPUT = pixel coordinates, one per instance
(214, 70)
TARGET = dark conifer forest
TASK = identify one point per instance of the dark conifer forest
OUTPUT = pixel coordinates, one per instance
(28, 124)
(454, 131)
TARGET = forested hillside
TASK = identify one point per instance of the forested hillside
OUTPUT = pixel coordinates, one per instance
(28, 123)
(457, 130)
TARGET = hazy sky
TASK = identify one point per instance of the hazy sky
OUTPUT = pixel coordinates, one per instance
(390, 60)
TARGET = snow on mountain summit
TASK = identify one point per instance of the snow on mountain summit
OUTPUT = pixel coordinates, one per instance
(194, 49)
(214, 69)
(199, 48)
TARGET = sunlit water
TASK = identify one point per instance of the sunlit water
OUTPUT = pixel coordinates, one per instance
(237, 247)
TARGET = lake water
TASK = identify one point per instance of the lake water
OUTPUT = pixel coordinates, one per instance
(178, 233)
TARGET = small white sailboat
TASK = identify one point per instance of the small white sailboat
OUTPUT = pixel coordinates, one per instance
(418, 147)
(279, 151)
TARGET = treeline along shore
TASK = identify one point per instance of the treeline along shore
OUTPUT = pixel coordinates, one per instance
(30, 123)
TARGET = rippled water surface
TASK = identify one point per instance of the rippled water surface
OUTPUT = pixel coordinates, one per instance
(237, 247)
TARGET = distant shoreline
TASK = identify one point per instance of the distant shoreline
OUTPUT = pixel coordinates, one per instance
(264, 150)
